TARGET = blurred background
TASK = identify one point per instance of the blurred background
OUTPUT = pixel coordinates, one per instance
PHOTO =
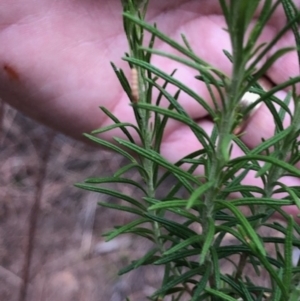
(51, 246)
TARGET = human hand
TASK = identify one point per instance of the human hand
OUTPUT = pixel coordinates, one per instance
(55, 65)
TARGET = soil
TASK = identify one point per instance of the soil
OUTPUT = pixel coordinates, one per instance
(51, 247)
(54, 241)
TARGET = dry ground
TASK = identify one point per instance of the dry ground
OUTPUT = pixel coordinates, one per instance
(54, 242)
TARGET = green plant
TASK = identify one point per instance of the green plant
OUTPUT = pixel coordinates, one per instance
(192, 260)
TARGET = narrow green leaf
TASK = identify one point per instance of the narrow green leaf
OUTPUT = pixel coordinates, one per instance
(277, 292)
(186, 43)
(199, 161)
(129, 167)
(291, 169)
(252, 236)
(233, 283)
(219, 294)
(160, 125)
(242, 188)
(196, 240)
(273, 274)
(113, 193)
(282, 112)
(258, 201)
(213, 95)
(277, 227)
(148, 258)
(178, 164)
(286, 216)
(121, 208)
(270, 142)
(121, 125)
(262, 18)
(291, 193)
(114, 180)
(216, 267)
(225, 10)
(168, 205)
(150, 45)
(167, 274)
(232, 221)
(126, 228)
(255, 264)
(185, 182)
(180, 230)
(127, 88)
(188, 215)
(198, 131)
(249, 10)
(265, 168)
(123, 81)
(154, 157)
(198, 193)
(111, 146)
(145, 231)
(230, 230)
(202, 284)
(270, 103)
(142, 232)
(246, 293)
(183, 254)
(279, 240)
(265, 95)
(226, 251)
(179, 280)
(180, 59)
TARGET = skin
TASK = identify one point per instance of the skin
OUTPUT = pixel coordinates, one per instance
(55, 65)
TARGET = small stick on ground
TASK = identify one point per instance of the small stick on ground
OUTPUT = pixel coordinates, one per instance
(45, 151)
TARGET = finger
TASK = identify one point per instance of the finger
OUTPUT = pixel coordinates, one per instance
(261, 125)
